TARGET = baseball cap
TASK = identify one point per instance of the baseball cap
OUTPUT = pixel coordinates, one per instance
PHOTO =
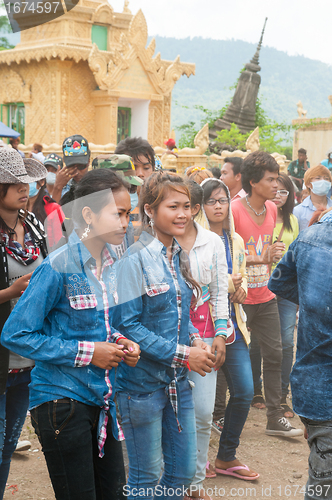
(75, 150)
(170, 143)
(121, 164)
(54, 160)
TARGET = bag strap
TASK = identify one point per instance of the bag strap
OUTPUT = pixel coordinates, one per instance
(281, 233)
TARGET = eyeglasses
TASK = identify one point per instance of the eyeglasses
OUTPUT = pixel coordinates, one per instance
(221, 201)
(283, 192)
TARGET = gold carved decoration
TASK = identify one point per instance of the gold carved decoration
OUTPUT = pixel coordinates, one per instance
(13, 88)
(103, 14)
(126, 9)
(108, 67)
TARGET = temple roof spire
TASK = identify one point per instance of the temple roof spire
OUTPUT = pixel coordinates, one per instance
(254, 63)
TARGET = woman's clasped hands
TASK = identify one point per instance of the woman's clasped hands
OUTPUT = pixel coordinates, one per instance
(108, 355)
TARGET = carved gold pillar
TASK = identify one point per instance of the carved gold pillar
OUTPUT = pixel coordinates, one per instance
(59, 76)
(106, 116)
(155, 129)
(167, 117)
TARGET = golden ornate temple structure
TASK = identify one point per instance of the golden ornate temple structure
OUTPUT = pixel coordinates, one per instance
(88, 72)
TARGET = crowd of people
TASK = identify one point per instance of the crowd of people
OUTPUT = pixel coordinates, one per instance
(132, 299)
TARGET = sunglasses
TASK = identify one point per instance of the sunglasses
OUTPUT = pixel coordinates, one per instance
(221, 201)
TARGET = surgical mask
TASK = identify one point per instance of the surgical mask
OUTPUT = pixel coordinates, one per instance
(133, 200)
(321, 188)
(50, 178)
(33, 190)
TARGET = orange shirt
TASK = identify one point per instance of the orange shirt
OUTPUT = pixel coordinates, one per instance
(256, 240)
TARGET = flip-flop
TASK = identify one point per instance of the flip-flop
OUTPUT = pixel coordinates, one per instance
(231, 472)
(209, 474)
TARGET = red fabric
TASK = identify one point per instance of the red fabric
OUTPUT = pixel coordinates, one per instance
(53, 221)
(202, 320)
(256, 240)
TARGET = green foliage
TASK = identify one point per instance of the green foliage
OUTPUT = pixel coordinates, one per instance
(233, 137)
(5, 28)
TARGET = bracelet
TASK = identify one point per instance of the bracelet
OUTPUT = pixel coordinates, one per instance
(221, 335)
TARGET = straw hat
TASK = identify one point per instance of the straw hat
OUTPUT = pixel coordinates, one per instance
(15, 169)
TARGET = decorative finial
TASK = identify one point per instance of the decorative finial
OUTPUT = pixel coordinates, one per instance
(254, 60)
(126, 9)
(254, 63)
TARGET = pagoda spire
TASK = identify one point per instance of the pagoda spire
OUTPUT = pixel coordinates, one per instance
(242, 110)
(254, 63)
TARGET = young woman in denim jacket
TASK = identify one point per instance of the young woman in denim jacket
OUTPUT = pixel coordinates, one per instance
(155, 293)
(209, 268)
(22, 249)
(69, 334)
(237, 366)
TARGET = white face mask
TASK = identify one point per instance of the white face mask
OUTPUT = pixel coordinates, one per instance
(50, 178)
(321, 188)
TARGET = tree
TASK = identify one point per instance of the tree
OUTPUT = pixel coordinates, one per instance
(5, 28)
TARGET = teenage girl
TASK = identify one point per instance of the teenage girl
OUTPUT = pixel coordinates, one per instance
(237, 366)
(155, 293)
(208, 266)
(69, 334)
(22, 249)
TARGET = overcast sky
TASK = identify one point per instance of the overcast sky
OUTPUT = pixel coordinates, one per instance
(294, 26)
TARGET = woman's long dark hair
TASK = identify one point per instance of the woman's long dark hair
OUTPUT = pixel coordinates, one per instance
(287, 209)
(3, 226)
(102, 181)
(153, 192)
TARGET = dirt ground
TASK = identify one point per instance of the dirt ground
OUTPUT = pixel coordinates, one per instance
(281, 462)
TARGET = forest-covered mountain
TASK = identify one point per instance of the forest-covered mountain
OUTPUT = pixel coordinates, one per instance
(285, 79)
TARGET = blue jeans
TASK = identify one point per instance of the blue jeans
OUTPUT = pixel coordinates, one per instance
(151, 432)
(237, 370)
(319, 484)
(287, 314)
(204, 394)
(13, 410)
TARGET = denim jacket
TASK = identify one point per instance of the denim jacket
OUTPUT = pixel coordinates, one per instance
(303, 276)
(60, 311)
(148, 314)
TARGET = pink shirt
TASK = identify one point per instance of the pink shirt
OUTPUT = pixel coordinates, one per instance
(256, 240)
(240, 194)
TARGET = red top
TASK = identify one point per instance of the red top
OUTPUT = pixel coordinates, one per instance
(53, 221)
(256, 240)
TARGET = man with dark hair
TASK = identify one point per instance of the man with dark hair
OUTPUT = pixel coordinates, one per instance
(255, 217)
(76, 157)
(216, 172)
(231, 176)
(297, 168)
(141, 153)
(14, 142)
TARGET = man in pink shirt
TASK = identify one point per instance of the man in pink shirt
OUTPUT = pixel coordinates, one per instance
(231, 176)
(254, 219)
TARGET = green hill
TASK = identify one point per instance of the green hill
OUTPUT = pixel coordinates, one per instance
(285, 79)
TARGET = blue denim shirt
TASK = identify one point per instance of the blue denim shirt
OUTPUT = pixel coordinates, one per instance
(63, 305)
(303, 276)
(147, 314)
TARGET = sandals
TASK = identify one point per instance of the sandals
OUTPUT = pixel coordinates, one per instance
(258, 402)
(209, 473)
(231, 471)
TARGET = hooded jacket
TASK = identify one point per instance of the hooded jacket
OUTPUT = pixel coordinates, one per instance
(238, 263)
